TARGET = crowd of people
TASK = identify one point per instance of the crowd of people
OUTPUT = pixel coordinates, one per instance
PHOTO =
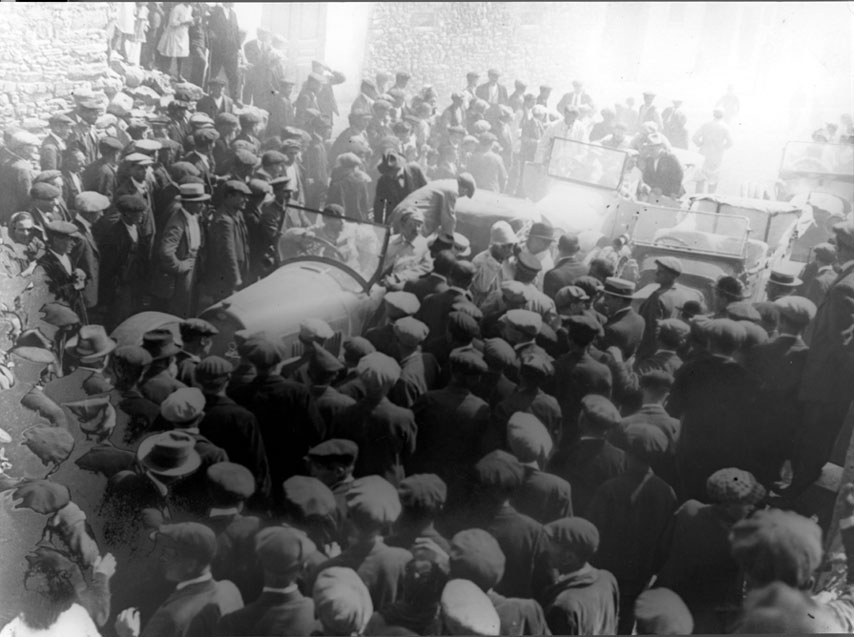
(516, 445)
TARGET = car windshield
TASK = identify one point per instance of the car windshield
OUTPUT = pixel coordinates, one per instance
(769, 220)
(356, 245)
(712, 233)
(587, 163)
(827, 159)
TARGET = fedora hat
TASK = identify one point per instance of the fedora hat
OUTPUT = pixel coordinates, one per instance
(193, 192)
(160, 344)
(90, 343)
(171, 453)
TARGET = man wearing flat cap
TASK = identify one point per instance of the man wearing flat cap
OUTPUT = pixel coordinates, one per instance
(664, 302)
(419, 370)
(229, 241)
(216, 101)
(662, 173)
(819, 274)
(90, 207)
(50, 155)
(101, 175)
(828, 378)
(437, 200)
(491, 91)
(398, 179)
(625, 327)
(56, 272)
(670, 341)
(125, 261)
(408, 256)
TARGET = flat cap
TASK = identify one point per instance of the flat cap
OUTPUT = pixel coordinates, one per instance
(754, 334)
(44, 190)
(575, 534)
(670, 263)
(570, 294)
(525, 321)
(406, 303)
(192, 327)
(282, 549)
(263, 352)
(673, 330)
(410, 331)
(183, 405)
(378, 370)
(725, 332)
(249, 118)
(213, 367)
(110, 143)
(468, 362)
(619, 287)
(542, 230)
(324, 362)
(514, 292)
(315, 330)
(466, 610)
(355, 347)
(91, 201)
(743, 311)
(234, 481)
(468, 308)
(226, 119)
(660, 611)
(307, 497)
(528, 438)
(59, 315)
(425, 491)
(774, 545)
(205, 135)
(138, 159)
(190, 539)
(527, 262)
(233, 185)
(498, 354)
(646, 442)
(245, 157)
(373, 499)
(182, 169)
(583, 328)
(60, 118)
(132, 355)
(797, 310)
(826, 252)
(342, 602)
(273, 157)
(589, 284)
(42, 496)
(130, 203)
(147, 145)
(770, 313)
(499, 469)
(536, 365)
(282, 181)
(734, 486)
(477, 556)
(335, 448)
(65, 228)
(463, 325)
(466, 180)
(600, 412)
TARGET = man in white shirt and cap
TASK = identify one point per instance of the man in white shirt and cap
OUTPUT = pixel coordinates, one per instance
(570, 128)
(489, 265)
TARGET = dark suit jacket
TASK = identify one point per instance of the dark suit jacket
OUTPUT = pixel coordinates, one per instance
(181, 615)
(566, 270)
(543, 497)
(286, 614)
(224, 34)
(60, 283)
(228, 239)
(436, 307)
(100, 177)
(482, 92)
(426, 285)
(70, 191)
(177, 265)
(829, 372)
(235, 558)
(208, 105)
(577, 375)
(124, 264)
(390, 190)
(207, 171)
(84, 137)
(586, 465)
(87, 256)
(625, 330)
(667, 175)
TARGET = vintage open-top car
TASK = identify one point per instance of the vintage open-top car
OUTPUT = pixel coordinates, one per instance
(708, 244)
(810, 167)
(328, 270)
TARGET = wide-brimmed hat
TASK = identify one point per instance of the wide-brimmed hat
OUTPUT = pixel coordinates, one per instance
(90, 343)
(160, 344)
(171, 453)
(193, 192)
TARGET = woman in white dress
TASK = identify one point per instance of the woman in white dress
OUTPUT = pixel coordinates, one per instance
(175, 41)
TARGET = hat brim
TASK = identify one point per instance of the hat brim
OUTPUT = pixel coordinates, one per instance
(197, 198)
(191, 463)
(619, 295)
(667, 267)
(794, 284)
(71, 348)
(171, 350)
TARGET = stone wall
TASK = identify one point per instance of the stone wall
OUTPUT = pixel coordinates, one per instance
(46, 51)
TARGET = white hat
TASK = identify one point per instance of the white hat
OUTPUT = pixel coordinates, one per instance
(502, 232)
(466, 610)
(183, 405)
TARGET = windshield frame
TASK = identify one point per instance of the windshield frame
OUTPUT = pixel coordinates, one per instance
(688, 249)
(615, 188)
(787, 173)
(366, 284)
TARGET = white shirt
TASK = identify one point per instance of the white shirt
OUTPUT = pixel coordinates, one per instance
(196, 580)
(132, 231)
(194, 232)
(493, 93)
(219, 513)
(218, 101)
(58, 139)
(77, 183)
(73, 622)
(64, 260)
(284, 591)
(560, 129)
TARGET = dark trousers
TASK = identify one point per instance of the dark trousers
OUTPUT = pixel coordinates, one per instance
(229, 63)
(198, 66)
(814, 442)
